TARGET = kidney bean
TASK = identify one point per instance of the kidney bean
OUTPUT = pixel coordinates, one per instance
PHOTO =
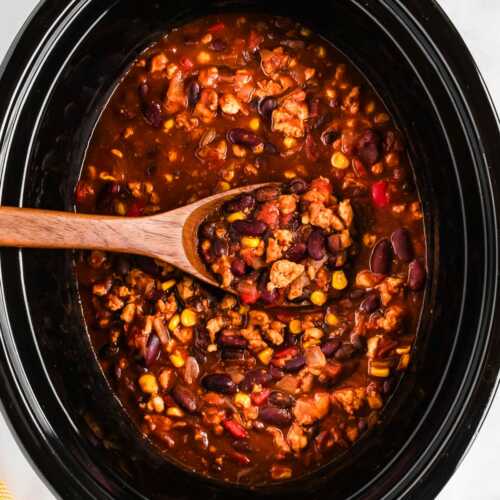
(235, 429)
(380, 194)
(401, 243)
(219, 248)
(193, 93)
(152, 349)
(297, 186)
(259, 398)
(207, 230)
(329, 348)
(275, 373)
(185, 398)
(232, 354)
(234, 341)
(370, 304)
(281, 399)
(238, 457)
(316, 244)
(218, 45)
(416, 275)
(311, 148)
(368, 147)
(357, 341)
(296, 252)
(334, 243)
(243, 137)
(356, 294)
(294, 364)
(267, 193)
(269, 296)
(153, 113)
(345, 352)
(253, 377)
(275, 416)
(238, 267)
(266, 106)
(249, 227)
(219, 382)
(242, 202)
(381, 257)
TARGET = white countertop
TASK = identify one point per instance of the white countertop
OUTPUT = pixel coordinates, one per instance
(477, 476)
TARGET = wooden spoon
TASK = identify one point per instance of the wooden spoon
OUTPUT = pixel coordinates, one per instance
(169, 236)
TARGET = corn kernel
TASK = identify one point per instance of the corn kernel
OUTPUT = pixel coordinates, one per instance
(331, 93)
(339, 280)
(331, 319)
(242, 399)
(167, 285)
(236, 216)
(188, 318)
(239, 152)
(382, 118)
(339, 160)
(295, 326)
(369, 240)
(148, 383)
(169, 177)
(254, 124)
(174, 322)
(173, 411)
(117, 153)
(168, 124)
(378, 168)
(203, 57)
(310, 343)
(370, 107)
(224, 186)
(128, 132)
(289, 142)
(372, 346)
(158, 404)
(120, 207)
(250, 241)
(243, 309)
(207, 38)
(290, 174)
(318, 298)
(404, 361)
(404, 349)
(177, 359)
(212, 348)
(265, 356)
(376, 370)
(172, 155)
(305, 32)
(106, 176)
(321, 52)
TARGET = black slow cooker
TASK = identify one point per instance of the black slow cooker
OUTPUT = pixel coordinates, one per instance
(55, 80)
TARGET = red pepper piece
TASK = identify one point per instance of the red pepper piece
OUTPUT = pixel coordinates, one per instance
(358, 167)
(136, 209)
(215, 28)
(248, 292)
(259, 398)
(380, 194)
(238, 457)
(186, 64)
(286, 352)
(235, 429)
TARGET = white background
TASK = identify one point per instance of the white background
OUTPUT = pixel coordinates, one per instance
(478, 477)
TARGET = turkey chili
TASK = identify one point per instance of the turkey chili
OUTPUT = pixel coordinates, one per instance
(244, 387)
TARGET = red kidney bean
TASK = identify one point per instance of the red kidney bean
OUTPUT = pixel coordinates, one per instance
(269, 296)
(243, 137)
(238, 267)
(218, 45)
(267, 193)
(329, 348)
(296, 252)
(297, 186)
(240, 203)
(311, 148)
(380, 194)
(235, 429)
(416, 275)
(152, 349)
(234, 341)
(253, 377)
(368, 147)
(381, 257)
(281, 399)
(275, 416)
(249, 227)
(235, 355)
(193, 93)
(275, 373)
(334, 243)
(370, 304)
(345, 352)
(401, 243)
(238, 457)
(185, 398)
(316, 244)
(357, 341)
(219, 248)
(153, 113)
(207, 230)
(219, 382)
(266, 106)
(294, 364)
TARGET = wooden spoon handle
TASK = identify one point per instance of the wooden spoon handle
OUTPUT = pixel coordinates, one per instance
(34, 228)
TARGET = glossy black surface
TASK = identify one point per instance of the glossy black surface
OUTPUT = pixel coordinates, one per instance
(55, 80)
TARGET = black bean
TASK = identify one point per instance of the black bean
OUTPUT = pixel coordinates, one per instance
(295, 364)
(356, 294)
(401, 243)
(249, 227)
(266, 106)
(219, 248)
(267, 193)
(316, 244)
(242, 202)
(147, 264)
(270, 149)
(230, 354)
(344, 352)
(368, 147)
(329, 348)
(218, 45)
(281, 399)
(153, 113)
(152, 349)
(297, 186)
(416, 275)
(108, 351)
(243, 137)
(252, 377)
(122, 265)
(370, 304)
(219, 382)
(143, 90)
(275, 416)
(238, 267)
(185, 398)
(207, 230)
(381, 257)
(193, 93)
(296, 252)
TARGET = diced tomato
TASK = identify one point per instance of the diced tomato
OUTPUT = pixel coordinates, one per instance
(259, 398)
(235, 429)
(380, 194)
(136, 209)
(269, 213)
(358, 167)
(286, 352)
(83, 191)
(322, 185)
(215, 28)
(248, 292)
(186, 64)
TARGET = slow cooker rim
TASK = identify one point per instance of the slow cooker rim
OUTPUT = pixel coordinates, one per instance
(15, 417)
